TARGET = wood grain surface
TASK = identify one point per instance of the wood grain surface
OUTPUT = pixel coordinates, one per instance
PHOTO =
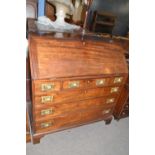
(75, 80)
(52, 58)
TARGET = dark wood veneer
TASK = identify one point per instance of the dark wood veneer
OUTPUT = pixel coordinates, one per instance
(90, 64)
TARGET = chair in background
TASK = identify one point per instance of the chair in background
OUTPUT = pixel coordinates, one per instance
(103, 22)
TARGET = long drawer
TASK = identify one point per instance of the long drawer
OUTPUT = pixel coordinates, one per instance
(59, 109)
(48, 86)
(73, 119)
(74, 95)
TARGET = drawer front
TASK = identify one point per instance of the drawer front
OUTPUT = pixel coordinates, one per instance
(66, 108)
(74, 119)
(88, 83)
(44, 87)
(74, 84)
(75, 95)
(100, 82)
(93, 83)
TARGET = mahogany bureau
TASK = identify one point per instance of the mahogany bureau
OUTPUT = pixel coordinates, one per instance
(74, 81)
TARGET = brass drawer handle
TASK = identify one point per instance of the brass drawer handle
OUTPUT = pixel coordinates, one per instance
(110, 100)
(45, 99)
(114, 89)
(47, 87)
(47, 112)
(118, 79)
(45, 125)
(100, 82)
(74, 84)
(106, 111)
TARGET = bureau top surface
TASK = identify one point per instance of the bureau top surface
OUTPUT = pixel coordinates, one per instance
(52, 58)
